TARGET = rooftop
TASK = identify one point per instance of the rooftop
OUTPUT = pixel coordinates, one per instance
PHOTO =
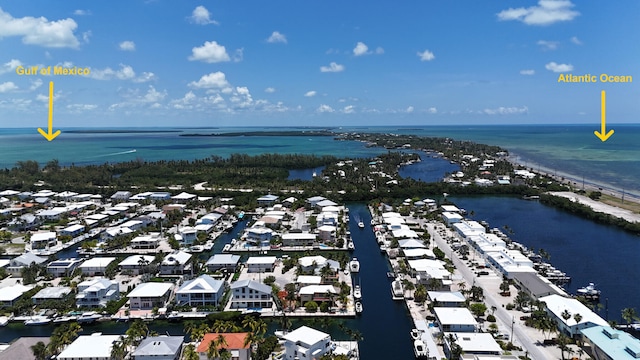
(150, 289)
(89, 346)
(616, 344)
(306, 335)
(233, 341)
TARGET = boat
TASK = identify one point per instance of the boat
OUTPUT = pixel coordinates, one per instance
(357, 292)
(226, 248)
(391, 275)
(416, 334)
(360, 224)
(358, 307)
(397, 290)
(346, 271)
(208, 245)
(234, 241)
(373, 222)
(350, 246)
(37, 320)
(4, 320)
(89, 317)
(419, 349)
(589, 291)
(174, 316)
(196, 249)
(64, 319)
(354, 265)
(383, 248)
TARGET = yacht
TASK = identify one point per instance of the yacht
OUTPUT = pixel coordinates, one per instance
(397, 290)
(416, 334)
(196, 249)
(208, 245)
(354, 265)
(383, 248)
(89, 317)
(360, 224)
(350, 246)
(419, 349)
(4, 320)
(373, 222)
(37, 320)
(226, 248)
(357, 293)
(589, 291)
(358, 307)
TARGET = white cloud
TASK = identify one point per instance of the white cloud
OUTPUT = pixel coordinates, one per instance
(145, 77)
(277, 37)
(506, 111)
(360, 49)
(153, 95)
(40, 31)
(270, 90)
(78, 108)
(349, 109)
(432, 110)
(426, 55)
(379, 50)
(216, 80)
(553, 66)
(575, 40)
(409, 109)
(333, 67)
(35, 84)
(81, 12)
(325, 108)
(548, 45)
(150, 99)
(202, 16)
(86, 36)
(125, 72)
(8, 86)
(210, 52)
(127, 45)
(527, 72)
(238, 55)
(546, 12)
(9, 66)
(310, 93)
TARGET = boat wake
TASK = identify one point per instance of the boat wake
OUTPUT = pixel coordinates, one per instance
(117, 153)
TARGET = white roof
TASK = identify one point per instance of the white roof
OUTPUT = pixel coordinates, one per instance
(450, 208)
(89, 346)
(11, 293)
(201, 284)
(50, 235)
(307, 261)
(317, 289)
(327, 228)
(451, 215)
(454, 316)
(298, 236)
(309, 279)
(261, 260)
(135, 260)
(306, 335)
(223, 259)
(150, 289)
(476, 342)
(558, 304)
(183, 196)
(97, 262)
(446, 296)
(419, 253)
(52, 292)
(176, 257)
(73, 228)
(9, 193)
(411, 244)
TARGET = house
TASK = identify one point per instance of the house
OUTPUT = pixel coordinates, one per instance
(313, 201)
(447, 298)
(234, 343)
(53, 214)
(324, 203)
(145, 242)
(90, 347)
(473, 343)
(298, 239)
(224, 262)
(63, 267)
(261, 264)
(327, 232)
(455, 319)
(250, 294)
(211, 218)
(159, 348)
(43, 240)
(306, 343)
(96, 266)
(317, 293)
(289, 201)
(608, 343)
(51, 293)
(305, 280)
(16, 264)
(10, 294)
(73, 230)
(267, 200)
(558, 306)
(451, 218)
(535, 285)
(21, 348)
(316, 263)
(201, 291)
(260, 235)
(187, 235)
(150, 295)
(427, 269)
(96, 293)
(136, 263)
(25, 222)
(175, 263)
(121, 196)
(159, 196)
(184, 197)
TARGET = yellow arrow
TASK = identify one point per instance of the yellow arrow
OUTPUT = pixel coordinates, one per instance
(50, 135)
(603, 134)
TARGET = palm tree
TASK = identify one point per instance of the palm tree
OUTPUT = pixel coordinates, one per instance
(629, 314)
(577, 317)
(119, 349)
(39, 350)
(462, 286)
(566, 315)
(212, 350)
(563, 343)
(190, 353)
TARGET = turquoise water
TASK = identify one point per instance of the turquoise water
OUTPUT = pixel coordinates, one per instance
(567, 150)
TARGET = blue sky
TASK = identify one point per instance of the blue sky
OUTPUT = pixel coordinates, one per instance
(263, 63)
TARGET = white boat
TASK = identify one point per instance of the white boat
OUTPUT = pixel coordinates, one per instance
(233, 241)
(419, 349)
(589, 291)
(4, 320)
(350, 246)
(354, 265)
(416, 334)
(360, 224)
(358, 307)
(196, 249)
(373, 222)
(357, 293)
(89, 317)
(208, 245)
(37, 320)
(226, 248)
(397, 290)
(383, 248)
(64, 319)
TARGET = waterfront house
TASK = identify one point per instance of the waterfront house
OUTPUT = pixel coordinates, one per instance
(313, 201)
(414, 254)
(175, 263)
(451, 218)
(159, 348)
(136, 263)
(259, 235)
(201, 291)
(556, 306)
(21, 348)
(25, 222)
(607, 343)
(450, 208)
(53, 214)
(305, 280)
(114, 232)
(426, 269)
(10, 294)
(250, 294)
(16, 264)
(150, 295)
(51, 293)
(261, 264)
(447, 298)
(90, 347)
(63, 267)
(184, 197)
(298, 239)
(317, 293)
(187, 235)
(96, 266)
(210, 219)
(120, 196)
(327, 232)
(411, 244)
(223, 262)
(455, 319)
(43, 240)
(267, 200)
(145, 242)
(306, 343)
(535, 285)
(474, 345)
(325, 203)
(72, 230)
(509, 262)
(234, 343)
(95, 293)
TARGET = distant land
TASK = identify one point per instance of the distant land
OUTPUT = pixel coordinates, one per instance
(119, 131)
(269, 133)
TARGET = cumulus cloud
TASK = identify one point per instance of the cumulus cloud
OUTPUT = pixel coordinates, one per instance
(527, 72)
(349, 109)
(125, 72)
(35, 84)
(9, 66)
(548, 45)
(127, 45)
(86, 36)
(325, 109)
(409, 109)
(81, 12)
(78, 108)
(40, 31)
(202, 16)
(379, 50)
(270, 90)
(426, 55)
(277, 37)
(210, 52)
(215, 80)
(310, 93)
(558, 68)
(575, 40)
(7, 87)
(360, 49)
(150, 99)
(506, 111)
(333, 67)
(432, 110)
(546, 12)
